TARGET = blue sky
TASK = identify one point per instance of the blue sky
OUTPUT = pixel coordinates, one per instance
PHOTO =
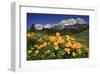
(40, 18)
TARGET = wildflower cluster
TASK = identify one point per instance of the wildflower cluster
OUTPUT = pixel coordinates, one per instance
(56, 46)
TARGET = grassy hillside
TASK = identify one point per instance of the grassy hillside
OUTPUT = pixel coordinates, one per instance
(83, 37)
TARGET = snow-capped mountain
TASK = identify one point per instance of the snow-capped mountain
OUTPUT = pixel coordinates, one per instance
(68, 22)
(48, 26)
(80, 21)
(73, 21)
(38, 26)
(71, 24)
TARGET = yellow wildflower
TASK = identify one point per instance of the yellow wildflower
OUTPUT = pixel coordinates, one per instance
(48, 51)
(40, 40)
(56, 45)
(30, 35)
(72, 38)
(60, 39)
(69, 44)
(37, 51)
(77, 45)
(73, 54)
(32, 48)
(67, 50)
(68, 38)
(79, 51)
(45, 44)
(51, 38)
(35, 45)
(57, 34)
(39, 47)
(29, 51)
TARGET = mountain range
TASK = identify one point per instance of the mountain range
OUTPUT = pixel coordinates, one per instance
(66, 25)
